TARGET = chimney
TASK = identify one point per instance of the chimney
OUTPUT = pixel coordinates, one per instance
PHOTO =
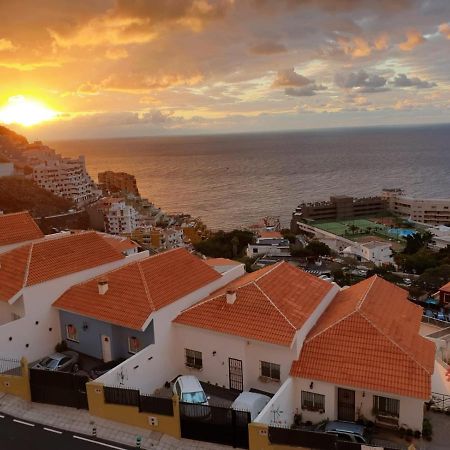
(231, 296)
(102, 286)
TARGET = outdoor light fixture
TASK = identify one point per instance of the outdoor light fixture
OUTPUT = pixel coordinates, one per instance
(214, 353)
(311, 386)
(85, 326)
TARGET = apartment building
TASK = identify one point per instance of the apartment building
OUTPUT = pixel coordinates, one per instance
(338, 207)
(66, 177)
(118, 182)
(116, 215)
(432, 211)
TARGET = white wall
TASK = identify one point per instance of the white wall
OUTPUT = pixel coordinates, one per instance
(282, 407)
(40, 327)
(162, 366)
(7, 310)
(215, 366)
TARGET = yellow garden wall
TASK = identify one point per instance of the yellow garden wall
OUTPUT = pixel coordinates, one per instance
(259, 439)
(17, 384)
(130, 414)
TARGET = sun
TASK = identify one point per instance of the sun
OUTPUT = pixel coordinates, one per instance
(25, 111)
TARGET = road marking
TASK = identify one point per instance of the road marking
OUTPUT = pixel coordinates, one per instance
(53, 431)
(97, 442)
(24, 423)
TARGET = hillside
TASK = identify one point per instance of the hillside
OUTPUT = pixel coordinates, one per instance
(19, 194)
(12, 136)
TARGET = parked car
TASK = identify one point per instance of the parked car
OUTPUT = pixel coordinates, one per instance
(347, 431)
(62, 362)
(189, 390)
(252, 402)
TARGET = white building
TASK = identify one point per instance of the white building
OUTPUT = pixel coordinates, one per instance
(120, 218)
(376, 252)
(433, 211)
(66, 177)
(34, 275)
(441, 237)
(6, 168)
(269, 243)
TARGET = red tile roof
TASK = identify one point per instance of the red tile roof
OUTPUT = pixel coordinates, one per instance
(445, 288)
(369, 338)
(51, 258)
(120, 243)
(270, 234)
(18, 227)
(140, 288)
(271, 305)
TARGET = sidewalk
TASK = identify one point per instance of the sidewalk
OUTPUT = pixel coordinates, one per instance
(80, 421)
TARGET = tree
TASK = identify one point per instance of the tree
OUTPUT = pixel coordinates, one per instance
(289, 235)
(225, 244)
(317, 248)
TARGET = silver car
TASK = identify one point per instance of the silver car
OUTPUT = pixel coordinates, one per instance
(61, 362)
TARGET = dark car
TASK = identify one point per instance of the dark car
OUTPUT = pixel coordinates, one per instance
(346, 431)
(62, 362)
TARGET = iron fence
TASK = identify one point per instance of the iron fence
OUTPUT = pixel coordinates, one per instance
(440, 401)
(132, 397)
(10, 366)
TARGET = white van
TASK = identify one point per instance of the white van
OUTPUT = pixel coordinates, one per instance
(252, 402)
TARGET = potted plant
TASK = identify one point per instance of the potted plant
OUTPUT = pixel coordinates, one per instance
(297, 419)
(402, 432)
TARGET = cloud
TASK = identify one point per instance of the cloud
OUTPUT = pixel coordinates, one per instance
(305, 91)
(6, 45)
(116, 53)
(290, 78)
(401, 80)
(356, 47)
(268, 48)
(413, 39)
(361, 81)
(444, 29)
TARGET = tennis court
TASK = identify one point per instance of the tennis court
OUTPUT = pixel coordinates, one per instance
(351, 227)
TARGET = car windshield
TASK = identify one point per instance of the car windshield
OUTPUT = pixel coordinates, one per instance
(50, 363)
(194, 397)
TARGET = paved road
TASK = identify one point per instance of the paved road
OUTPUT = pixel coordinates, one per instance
(17, 434)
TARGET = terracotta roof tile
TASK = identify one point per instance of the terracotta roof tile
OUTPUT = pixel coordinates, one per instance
(270, 234)
(119, 243)
(139, 288)
(369, 338)
(271, 305)
(445, 288)
(18, 227)
(51, 258)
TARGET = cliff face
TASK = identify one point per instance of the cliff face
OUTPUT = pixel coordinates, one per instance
(12, 136)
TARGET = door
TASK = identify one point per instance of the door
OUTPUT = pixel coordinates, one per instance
(106, 348)
(235, 374)
(346, 405)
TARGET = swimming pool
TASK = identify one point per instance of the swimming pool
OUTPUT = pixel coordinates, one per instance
(401, 232)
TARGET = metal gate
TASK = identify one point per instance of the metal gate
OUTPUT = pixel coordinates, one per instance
(236, 377)
(214, 424)
(346, 405)
(58, 388)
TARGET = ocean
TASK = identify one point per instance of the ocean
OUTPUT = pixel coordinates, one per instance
(235, 180)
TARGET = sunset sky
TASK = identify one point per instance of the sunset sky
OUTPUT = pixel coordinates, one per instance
(103, 68)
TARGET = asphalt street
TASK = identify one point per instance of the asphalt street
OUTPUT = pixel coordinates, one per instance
(17, 434)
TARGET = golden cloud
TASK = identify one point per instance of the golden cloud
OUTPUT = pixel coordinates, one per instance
(413, 39)
(6, 45)
(444, 29)
(116, 53)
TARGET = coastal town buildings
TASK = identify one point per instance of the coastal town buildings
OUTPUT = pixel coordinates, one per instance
(269, 243)
(6, 167)
(338, 207)
(376, 252)
(431, 211)
(112, 182)
(66, 177)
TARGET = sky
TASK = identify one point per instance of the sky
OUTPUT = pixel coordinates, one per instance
(139, 68)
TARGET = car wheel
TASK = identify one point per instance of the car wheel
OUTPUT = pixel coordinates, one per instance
(75, 368)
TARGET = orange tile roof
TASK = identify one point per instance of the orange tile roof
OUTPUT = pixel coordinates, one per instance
(119, 243)
(139, 288)
(369, 338)
(51, 258)
(222, 262)
(271, 305)
(18, 227)
(445, 288)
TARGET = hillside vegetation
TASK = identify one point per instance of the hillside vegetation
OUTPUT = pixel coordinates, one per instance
(19, 194)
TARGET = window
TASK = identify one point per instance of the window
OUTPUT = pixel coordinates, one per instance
(270, 370)
(385, 406)
(194, 359)
(312, 401)
(133, 344)
(71, 333)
